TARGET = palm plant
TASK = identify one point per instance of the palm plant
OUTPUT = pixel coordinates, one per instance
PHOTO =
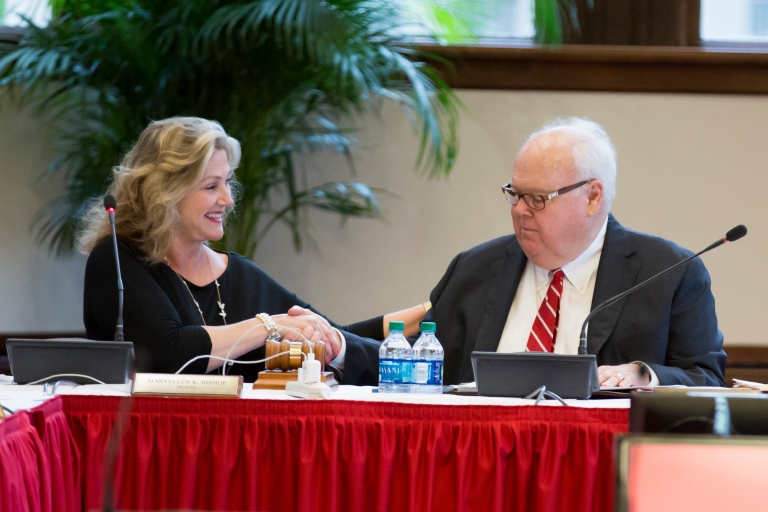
(554, 19)
(278, 74)
(460, 22)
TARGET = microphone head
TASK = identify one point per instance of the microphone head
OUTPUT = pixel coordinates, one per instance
(110, 204)
(736, 233)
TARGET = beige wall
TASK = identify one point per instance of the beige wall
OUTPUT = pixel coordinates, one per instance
(38, 293)
(690, 168)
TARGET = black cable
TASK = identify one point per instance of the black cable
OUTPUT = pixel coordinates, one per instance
(542, 394)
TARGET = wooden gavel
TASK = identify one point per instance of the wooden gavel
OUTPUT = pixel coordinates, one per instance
(291, 358)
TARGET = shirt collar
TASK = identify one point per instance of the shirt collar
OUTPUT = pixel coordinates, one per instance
(580, 270)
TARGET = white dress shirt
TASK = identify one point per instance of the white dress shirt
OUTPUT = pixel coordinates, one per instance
(338, 361)
(575, 302)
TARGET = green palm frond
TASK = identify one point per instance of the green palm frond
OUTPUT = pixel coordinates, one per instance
(551, 17)
(282, 76)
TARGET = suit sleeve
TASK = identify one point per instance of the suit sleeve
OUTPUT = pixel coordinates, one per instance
(361, 361)
(695, 354)
(372, 328)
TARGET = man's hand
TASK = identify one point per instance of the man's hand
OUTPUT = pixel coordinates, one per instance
(624, 375)
(320, 325)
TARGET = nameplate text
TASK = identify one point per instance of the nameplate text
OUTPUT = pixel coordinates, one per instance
(164, 384)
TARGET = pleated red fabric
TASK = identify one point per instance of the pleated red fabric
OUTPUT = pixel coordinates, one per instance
(63, 457)
(24, 472)
(212, 454)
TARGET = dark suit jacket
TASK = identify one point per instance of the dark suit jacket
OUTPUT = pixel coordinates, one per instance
(670, 324)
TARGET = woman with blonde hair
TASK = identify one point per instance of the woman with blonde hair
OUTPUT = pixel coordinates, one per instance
(174, 190)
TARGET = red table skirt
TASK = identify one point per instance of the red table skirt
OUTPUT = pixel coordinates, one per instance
(24, 478)
(39, 462)
(209, 454)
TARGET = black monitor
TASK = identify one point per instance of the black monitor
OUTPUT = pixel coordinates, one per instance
(520, 374)
(678, 413)
(111, 362)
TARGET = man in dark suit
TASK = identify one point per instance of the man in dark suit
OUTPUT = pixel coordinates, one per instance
(532, 290)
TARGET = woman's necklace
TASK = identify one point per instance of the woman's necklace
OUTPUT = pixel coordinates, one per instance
(222, 313)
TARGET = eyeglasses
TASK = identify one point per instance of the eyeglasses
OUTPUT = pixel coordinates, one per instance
(537, 201)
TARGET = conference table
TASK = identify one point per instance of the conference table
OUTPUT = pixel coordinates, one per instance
(267, 451)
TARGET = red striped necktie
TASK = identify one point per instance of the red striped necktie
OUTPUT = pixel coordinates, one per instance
(544, 331)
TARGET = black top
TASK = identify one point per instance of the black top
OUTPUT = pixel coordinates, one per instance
(165, 326)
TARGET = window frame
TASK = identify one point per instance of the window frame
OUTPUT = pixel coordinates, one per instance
(706, 69)
(694, 66)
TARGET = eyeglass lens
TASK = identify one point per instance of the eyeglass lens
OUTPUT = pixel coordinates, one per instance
(535, 202)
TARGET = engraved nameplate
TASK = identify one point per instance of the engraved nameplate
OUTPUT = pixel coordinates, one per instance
(220, 386)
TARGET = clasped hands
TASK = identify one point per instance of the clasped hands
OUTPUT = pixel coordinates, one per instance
(312, 326)
(623, 375)
(316, 328)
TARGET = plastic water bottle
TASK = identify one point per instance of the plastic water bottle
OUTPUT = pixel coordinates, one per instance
(395, 361)
(427, 372)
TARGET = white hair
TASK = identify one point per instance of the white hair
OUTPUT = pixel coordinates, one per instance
(593, 152)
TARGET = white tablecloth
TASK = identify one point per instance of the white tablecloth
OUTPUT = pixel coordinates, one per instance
(16, 397)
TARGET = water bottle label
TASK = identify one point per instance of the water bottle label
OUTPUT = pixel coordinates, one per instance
(428, 372)
(394, 371)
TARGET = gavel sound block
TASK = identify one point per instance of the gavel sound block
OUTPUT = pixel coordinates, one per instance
(284, 367)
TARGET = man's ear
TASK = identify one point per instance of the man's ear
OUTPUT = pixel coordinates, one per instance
(595, 197)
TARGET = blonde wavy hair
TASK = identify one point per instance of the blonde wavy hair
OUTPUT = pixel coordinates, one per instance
(163, 166)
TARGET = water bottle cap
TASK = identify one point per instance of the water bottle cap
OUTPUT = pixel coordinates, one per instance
(428, 326)
(396, 325)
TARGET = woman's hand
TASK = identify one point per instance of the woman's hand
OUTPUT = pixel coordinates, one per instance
(311, 325)
(411, 317)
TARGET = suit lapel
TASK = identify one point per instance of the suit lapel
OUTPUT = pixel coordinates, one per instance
(506, 273)
(616, 273)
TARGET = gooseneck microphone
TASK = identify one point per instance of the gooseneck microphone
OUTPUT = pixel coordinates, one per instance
(110, 204)
(731, 236)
